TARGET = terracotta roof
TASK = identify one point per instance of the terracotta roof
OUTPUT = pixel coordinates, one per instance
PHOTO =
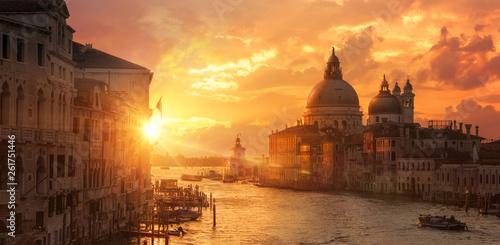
(32, 6)
(88, 57)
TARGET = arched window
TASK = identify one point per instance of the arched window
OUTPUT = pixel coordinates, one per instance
(20, 107)
(344, 124)
(40, 110)
(5, 104)
(393, 156)
(336, 124)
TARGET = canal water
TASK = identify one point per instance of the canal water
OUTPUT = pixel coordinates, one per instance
(247, 214)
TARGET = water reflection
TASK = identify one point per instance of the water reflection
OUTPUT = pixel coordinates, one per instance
(247, 214)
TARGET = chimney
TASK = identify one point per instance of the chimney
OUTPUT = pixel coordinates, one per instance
(454, 124)
(467, 128)
(461, 130)
(477, 130)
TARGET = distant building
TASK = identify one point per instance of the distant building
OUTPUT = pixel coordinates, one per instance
(241, 166)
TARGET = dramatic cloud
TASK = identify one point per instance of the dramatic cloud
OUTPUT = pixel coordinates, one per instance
(226, 67)
(469, 111)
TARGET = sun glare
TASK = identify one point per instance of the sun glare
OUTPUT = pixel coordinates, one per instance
(151, 130)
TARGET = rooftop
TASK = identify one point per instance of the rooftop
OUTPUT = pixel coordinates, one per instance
(88, 57)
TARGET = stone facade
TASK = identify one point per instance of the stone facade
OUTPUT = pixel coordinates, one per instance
(82, 163)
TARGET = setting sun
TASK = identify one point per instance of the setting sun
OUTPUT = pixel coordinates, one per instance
(151, 130)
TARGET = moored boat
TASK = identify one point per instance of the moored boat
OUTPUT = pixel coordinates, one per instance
(182, 213)
(188, 177)
(227, 178)
(441, 222)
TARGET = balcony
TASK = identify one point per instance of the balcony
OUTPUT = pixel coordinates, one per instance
(46, 136)
(65, 184)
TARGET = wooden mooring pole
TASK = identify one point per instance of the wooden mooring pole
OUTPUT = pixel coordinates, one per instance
(214, 216)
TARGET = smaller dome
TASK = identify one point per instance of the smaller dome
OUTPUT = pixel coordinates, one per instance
(384, 103)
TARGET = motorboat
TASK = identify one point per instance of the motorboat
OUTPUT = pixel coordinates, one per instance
(441, 222)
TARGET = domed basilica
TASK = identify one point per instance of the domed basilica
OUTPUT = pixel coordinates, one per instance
(333, 102)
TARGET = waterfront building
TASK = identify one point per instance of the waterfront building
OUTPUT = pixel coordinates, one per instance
(119, 92)
(391, 154)
(36, 75)
(82, 164)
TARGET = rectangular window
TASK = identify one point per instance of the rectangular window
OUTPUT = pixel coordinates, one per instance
(59, 204)
(76, 125)
(60, 72)
(21, 50)
(70, 46)
(51, 206)
(86, 132)
(39, 219)
(60, 165)
(64, 74)
(52, 68)
(50, 35)
(71, 76)
(71, 167)
(51, 166)
(19, 218)
(105, 135)
(41, 54)
(5, 46)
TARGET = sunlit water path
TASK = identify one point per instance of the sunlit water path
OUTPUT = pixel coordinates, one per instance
(247, 214)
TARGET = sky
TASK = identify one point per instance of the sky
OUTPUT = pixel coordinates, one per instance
(224, 67)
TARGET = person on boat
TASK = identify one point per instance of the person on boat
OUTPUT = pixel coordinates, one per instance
(181, 230)
(452, 218)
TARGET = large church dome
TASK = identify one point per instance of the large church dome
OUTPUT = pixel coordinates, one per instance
(333, 90)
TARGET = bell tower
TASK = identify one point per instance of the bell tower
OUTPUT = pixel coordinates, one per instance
(408, 102)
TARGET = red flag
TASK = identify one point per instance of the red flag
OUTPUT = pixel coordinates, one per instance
(159, 107)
